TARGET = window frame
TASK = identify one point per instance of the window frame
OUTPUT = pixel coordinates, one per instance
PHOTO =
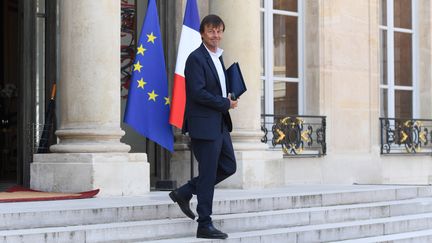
(268, 79)
(390, 86)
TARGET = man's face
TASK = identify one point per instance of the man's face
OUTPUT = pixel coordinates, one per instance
(212, 36)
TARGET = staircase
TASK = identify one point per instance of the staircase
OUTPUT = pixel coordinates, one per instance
(304, 213)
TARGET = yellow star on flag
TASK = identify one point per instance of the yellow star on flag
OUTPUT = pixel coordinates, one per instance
(152, 96)
(141, 50)
(137, 66)
(167, 101)
(141, 83)
(151, 38)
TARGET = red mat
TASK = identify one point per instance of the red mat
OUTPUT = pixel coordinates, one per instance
(22, 194)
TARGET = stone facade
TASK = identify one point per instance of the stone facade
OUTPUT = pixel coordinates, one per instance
(342, 82)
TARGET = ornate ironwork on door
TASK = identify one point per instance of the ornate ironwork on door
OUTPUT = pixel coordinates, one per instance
(296, 135)
(128, 15)
(406, 136)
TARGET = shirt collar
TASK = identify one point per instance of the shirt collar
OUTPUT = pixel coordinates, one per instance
(218, 52)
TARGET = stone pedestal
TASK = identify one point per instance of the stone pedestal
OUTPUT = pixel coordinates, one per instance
(115, 174)
(180, 163)
(257, 166)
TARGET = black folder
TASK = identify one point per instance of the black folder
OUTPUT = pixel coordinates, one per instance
(237, 85)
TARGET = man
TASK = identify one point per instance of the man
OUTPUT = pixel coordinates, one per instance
(208, 122)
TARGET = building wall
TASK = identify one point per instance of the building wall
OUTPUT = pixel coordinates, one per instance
(342, 68)
(341, 63)
(342, 82)
(425, 58)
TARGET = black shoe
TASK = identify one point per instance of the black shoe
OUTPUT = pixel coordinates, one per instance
(210, 232)
(183, 204)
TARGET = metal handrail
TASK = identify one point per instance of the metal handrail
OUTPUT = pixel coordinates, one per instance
(406, 136)
(296, 135)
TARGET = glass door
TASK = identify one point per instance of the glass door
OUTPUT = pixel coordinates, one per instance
(9, 83)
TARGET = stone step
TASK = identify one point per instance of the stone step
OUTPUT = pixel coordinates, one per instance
(321, 215)
(409, 237)
(412, 227)
(157, 205)
(176, 229)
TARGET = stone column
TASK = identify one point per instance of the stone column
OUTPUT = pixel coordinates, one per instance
(256, 167)
(90, 154)
(89, 80)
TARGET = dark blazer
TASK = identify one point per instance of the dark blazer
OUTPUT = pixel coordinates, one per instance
(206, 109)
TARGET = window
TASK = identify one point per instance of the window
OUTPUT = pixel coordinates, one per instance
(398, 91)
(281, 57)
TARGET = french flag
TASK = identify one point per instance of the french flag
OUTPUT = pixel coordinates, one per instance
(190, 39)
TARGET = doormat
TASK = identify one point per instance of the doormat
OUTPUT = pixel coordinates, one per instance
(22, 194)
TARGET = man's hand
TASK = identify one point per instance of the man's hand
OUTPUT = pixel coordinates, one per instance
(233, 103)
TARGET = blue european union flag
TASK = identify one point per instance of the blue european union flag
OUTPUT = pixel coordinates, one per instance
(148, 104)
